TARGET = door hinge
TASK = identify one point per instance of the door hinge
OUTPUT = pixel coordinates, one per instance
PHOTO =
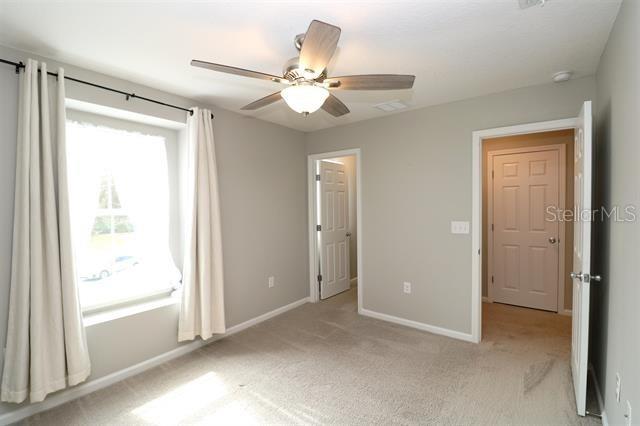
(492, 227)
(491, 278)
(318, 227)
(319, 278)
(318, 177)
(492, 174)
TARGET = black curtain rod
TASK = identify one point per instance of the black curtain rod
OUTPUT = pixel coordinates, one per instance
(20, 65)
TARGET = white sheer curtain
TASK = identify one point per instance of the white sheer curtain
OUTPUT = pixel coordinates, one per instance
(138, 164)
(202, 311)
(46, 345)
(141, 177)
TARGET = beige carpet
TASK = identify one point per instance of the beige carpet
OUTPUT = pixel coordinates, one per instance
(324, 364)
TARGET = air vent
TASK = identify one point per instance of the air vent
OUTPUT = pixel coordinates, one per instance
(525, 4)
(391, 106)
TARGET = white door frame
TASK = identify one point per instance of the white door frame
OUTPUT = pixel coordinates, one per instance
(314, 295)
(562, 197)
(477, 173)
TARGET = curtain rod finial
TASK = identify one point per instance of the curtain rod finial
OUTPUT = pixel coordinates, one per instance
(191, 113)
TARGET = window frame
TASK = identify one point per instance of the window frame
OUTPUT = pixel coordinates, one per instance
(173, 133)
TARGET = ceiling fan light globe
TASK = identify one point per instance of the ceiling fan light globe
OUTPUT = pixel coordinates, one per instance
(305, 98)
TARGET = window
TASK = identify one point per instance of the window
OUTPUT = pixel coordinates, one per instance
(121, 208)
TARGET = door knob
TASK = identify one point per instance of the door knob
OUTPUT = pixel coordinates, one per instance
(552, 240)
(348, 234)
(584, 277)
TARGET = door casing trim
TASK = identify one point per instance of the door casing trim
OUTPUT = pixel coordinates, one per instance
(312, 220)
(477, 173)
(562, 196)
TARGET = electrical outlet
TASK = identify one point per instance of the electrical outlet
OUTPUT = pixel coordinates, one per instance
(407, 287)
(272, 281)
(618, 387)
(627, 415)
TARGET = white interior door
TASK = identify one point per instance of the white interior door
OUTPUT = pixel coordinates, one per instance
(581, 255)
(334, 229)
(525, 248)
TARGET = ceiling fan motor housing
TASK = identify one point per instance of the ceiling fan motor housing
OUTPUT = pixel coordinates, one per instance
(292, 71)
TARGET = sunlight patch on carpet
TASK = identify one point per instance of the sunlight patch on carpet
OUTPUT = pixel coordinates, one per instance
(184, 401)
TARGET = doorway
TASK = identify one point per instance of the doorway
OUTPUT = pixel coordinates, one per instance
(581, 272)
(335, 224)
(478, 254)
(528, 180)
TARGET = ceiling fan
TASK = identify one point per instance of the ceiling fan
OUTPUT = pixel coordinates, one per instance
(306, 76)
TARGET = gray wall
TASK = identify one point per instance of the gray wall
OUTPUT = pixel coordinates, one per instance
(416, 178)
(615, 338)
(262, 172)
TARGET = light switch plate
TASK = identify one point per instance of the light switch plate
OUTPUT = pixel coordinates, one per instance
(459, 227)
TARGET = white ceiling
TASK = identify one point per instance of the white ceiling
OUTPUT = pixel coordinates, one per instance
(456, 49)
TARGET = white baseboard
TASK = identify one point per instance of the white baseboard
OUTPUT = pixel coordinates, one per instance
(263, 317)
(605, 420)
(86, 388)
(419, 325)
(485, 299)
(354, 282)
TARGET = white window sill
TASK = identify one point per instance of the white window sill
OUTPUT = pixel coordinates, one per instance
(126, 311)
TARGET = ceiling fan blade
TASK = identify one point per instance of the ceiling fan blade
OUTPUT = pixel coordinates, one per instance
(371, 82)
(334, 106)
(238, 71)
(274, 97)
(320, 42)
